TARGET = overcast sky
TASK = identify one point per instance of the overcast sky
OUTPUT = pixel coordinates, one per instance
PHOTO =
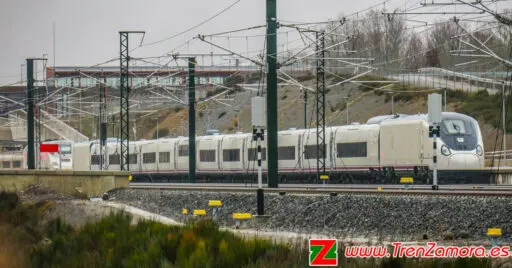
(87, 31)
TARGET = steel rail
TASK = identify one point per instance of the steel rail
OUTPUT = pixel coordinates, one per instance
(314, 190)
(342, 186)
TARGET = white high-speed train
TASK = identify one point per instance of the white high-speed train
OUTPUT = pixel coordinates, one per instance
(382, 150)
(61, 160)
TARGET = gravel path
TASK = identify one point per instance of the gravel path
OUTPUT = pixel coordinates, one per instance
(391, 218)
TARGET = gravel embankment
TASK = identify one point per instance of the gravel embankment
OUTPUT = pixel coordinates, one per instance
(391, 218)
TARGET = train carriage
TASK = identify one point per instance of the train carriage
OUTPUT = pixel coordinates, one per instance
(289, 152)
(309, 149)
(166, 155)
(405, 144)
(148, 155)
(82, 151)
(208, 154)
(382, 150)
(355, 147)
(181, 155)
(233, 154)
(11, 161)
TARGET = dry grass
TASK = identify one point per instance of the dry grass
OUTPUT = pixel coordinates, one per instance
(13, 252)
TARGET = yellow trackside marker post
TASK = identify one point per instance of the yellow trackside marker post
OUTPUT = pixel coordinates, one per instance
(199, 212)
(216, 204)
(130, 178)
(379, 188)
(241, 217)
(494, 233)
(184, 214)
(324, 178)
(407, 181)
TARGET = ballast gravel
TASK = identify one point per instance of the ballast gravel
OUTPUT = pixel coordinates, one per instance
(385, 217)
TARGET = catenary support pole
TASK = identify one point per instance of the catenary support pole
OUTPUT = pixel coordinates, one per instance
(124, 60)
(346, 108)
(504, 115)
(36, 93)
(103, 127)
(30, 115)
(191, 120)
(272, 93)
(392, 103)
(305, 108)
(445, 109)
(320, 106)
(125, 88)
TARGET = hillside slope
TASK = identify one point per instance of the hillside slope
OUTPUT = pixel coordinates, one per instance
(363, 104)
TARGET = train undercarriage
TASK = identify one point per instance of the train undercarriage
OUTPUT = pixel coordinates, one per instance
(420, 175)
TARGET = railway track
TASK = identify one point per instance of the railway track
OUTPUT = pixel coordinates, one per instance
(311, 189)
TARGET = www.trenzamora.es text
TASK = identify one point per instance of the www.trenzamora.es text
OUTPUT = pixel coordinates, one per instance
(432, 250)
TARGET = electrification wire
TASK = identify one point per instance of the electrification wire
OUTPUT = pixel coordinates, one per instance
(195, 26)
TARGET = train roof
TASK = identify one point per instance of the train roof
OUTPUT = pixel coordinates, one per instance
(424, 117)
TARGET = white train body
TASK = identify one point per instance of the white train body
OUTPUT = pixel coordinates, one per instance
(62, 160)
(384, 143)
(12, 160)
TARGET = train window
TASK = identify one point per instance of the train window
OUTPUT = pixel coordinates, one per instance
(16, 164)
(231, 155)
(455, 127)
(164, 157)
(310, 152)
(352, 149)
(65, 149)
(183, 150)
(149, 158)
(6, 164)
(207, 155)
(253, 154)
(95, 159)
(114, 159)
(286, 153)
(132, 158)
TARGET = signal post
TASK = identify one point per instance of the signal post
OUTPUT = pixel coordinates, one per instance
(434, 121)
(258, 124)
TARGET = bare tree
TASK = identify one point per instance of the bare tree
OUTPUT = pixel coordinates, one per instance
(440, 43)
(395, 37)
(414, 54)
(374, 31)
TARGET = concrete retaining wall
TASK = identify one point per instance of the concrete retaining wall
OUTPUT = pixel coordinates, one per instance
(90, 183)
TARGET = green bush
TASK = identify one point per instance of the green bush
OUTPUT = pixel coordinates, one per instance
(116, 242)
(233, 80)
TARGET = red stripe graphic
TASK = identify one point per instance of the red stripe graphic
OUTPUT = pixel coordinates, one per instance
(49, 148)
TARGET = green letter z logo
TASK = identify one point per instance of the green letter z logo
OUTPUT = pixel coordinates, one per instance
(323, 252)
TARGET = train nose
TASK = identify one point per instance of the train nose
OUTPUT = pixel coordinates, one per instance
(463, 161)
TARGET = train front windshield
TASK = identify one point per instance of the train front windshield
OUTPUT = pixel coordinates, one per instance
(459, 134)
